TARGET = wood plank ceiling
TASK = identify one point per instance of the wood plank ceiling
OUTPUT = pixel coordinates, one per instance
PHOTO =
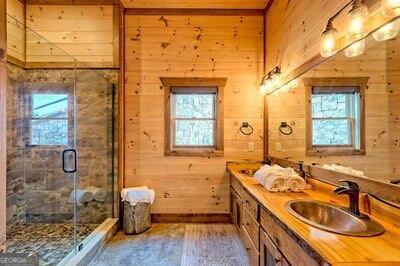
(223, 4)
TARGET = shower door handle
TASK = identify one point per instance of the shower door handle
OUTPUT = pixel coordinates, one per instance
(65, 160)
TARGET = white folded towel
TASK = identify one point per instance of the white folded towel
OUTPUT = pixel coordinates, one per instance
(82, 197)
(276, 183)
(278, 179)
(295, 183)
(343, 169)
(138, 194)
(124, 191)
(99, 194)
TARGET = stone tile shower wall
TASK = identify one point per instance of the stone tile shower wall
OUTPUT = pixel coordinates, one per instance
(38, 190)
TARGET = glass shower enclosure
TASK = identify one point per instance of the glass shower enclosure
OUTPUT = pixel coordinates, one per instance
(61, 151)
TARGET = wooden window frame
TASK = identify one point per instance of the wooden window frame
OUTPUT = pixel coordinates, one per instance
(330, 84)
(170, 84)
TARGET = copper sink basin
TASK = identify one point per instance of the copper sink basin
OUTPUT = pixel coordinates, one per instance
(332, 218)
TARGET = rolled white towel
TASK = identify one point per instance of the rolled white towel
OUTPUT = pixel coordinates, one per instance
(99, 194)
(265, 171)
(136, 195)
(82, 197)
(343, 169)
(295, 183)
(276, 183)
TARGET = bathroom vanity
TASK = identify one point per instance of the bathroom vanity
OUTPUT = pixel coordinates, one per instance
(272, 236)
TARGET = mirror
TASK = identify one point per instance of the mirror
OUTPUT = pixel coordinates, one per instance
(344, 114)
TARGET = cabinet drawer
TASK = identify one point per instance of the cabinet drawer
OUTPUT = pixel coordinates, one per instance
(269, 253)
(250, 248)
(251, 204)
(252, 227)
(287, 245)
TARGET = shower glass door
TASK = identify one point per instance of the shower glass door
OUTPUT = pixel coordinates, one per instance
(41, 144)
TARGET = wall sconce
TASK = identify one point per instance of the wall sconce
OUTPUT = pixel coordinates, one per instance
(329, 42)
(271, 81)
(330, 38)
(387, 31)
(390, 7)
(358, 15)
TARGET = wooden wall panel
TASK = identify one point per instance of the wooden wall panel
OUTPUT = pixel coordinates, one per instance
(382, 111)
(84, 32)
(243, 4)
(16, 29)
(190, 46)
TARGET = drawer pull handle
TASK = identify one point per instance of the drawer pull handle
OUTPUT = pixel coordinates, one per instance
(248, 224)
(277, 261)
(278, 243)
(248, 249)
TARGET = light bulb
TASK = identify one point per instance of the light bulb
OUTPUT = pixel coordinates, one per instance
(388, 31)
(329, 42)
(390, 7)
(355, 49)
(358, 15)
(262, 89)
(276, 81)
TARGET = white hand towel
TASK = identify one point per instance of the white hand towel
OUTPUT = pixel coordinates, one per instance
(343, 169)
(99, 194)
(136, 195)
(295, 183)
(126, 190)
(276, 183)
(82, 197)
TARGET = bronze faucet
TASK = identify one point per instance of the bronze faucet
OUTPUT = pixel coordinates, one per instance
(353, 191)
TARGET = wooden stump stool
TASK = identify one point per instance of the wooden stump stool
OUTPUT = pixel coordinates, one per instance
(137, 218)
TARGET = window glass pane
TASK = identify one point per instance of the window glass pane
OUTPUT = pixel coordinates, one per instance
(49, 132)
(331, 132)
(49, 105)
(329, 105)
(194, 133)
(194, 105)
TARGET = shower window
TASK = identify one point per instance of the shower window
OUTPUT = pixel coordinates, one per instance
(49, 119)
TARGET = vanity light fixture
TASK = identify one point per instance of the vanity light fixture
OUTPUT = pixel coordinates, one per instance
(356, 49)
(271, 81)
(329, 42)
(358, 15)
(390, 7)
(387, 31)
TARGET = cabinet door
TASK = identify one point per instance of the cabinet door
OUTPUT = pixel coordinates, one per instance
(236, 210)
(269, 253)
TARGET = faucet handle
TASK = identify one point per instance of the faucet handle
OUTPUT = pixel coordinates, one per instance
(351, 184)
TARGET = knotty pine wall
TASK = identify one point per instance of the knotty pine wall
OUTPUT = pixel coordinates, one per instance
(190, 46)
(16, 29)
(382, 112)
(85, 32)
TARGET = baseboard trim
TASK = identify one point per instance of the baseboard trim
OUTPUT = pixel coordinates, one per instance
(191, 218)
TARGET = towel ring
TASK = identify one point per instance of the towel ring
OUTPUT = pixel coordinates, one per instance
(246, 125)
(285, 125)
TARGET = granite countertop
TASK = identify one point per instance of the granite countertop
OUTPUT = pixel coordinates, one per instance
(333, 248)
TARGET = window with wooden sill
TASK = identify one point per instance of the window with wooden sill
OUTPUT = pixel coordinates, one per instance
(194, 116)
(335, 116)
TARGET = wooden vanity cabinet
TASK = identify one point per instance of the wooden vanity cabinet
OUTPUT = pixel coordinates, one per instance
(265, 241)
(269, 253)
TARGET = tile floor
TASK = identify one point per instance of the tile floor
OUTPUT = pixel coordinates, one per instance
(175, 244)
(52, 241)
